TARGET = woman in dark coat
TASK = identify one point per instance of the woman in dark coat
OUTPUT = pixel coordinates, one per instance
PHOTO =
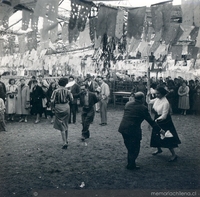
(161, 108)
(36, 100)
(50, 90)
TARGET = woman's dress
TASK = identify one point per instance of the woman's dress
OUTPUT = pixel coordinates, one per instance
(161, 109)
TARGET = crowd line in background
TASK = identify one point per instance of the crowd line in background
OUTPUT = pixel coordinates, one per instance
(34, 98)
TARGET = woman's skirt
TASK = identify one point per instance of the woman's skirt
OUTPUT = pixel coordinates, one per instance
(61, 116)
(184, 102)
(167, 142)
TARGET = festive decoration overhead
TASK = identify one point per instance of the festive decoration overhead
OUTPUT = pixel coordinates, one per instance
(106, 21)
(136, 18)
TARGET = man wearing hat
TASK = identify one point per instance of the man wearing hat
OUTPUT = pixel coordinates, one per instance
(135, 112)
(91, 84)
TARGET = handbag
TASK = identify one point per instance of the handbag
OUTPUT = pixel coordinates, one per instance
(27, 105)
(44, 102)
(165, 134)
(11, 96)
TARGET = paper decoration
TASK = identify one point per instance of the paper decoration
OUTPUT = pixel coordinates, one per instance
(73, 34)
(161, 14)
(26, 17)
(106, 21)
(176, 52)
(47, 9)
(197, 13)
(65, 32)
(193, 51)
(162, 50)
(186, 32)
(187, 8)
(84, 38)
(84, 12)
(92, 25)
(198, 40)
(22, 44)
(1, 47)
(135, 22)
(119, 24)
(170, 34)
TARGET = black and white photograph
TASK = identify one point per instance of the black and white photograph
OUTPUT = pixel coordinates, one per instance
(99, 98)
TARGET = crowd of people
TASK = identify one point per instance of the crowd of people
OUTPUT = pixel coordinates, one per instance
(39, 98)
(60, 101)
(183, 95)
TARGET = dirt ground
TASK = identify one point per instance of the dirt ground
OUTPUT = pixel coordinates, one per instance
(32, 162)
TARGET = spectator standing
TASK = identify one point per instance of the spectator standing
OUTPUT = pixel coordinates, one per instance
(23, 101)
(183, 93)
(36, 101)
(171, 95)
(104, 98)
(2, 90)
(2, 115)
(11, 92)
(140, 87)
(92, 86)
(52, 87)
(191, 94)
(196, 106)
(74, 88)
(30, 83)
(44, 85)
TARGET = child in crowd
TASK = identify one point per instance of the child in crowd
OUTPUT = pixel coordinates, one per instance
(2, 118)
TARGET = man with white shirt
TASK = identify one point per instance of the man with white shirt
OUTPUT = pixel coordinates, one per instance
(104, 98)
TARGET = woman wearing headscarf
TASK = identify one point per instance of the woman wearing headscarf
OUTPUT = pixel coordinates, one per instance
(60, 106)
(166, 136)
(23, 100)
(11, 92)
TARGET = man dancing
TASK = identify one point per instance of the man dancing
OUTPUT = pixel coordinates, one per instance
(135, 113)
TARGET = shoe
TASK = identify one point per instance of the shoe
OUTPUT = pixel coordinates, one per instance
(132, 167)
(21, 120)
(98, 111)
(157, 152)
(25, 120)
(103, 124)
(83, 138)
(37, 121)
(174, 159)
(65, 146)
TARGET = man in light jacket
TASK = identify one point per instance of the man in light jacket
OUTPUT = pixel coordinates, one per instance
(104, 98)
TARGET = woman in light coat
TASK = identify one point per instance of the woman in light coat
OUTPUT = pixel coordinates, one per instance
(23, 101)
(184, 103)
(11, 92)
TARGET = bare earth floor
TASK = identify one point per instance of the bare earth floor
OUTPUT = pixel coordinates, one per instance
(32, 162)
